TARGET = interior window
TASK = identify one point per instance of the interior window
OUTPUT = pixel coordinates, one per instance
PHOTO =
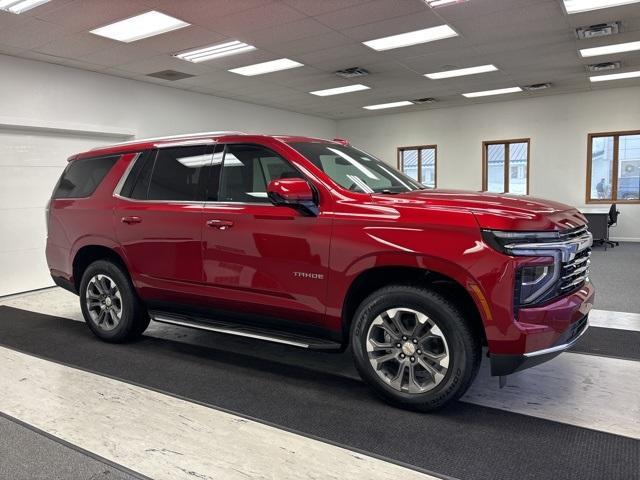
(248, 169)
(177, 173)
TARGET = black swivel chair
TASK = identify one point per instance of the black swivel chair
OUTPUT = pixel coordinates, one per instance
(613, 220)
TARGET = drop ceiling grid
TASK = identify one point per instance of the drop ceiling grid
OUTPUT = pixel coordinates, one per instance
(531, 41)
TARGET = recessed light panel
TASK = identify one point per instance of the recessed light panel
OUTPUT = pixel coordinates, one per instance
(339, 90)
(380, 106)
(577, 6)
(215, 51)
(19, 6)
(486, 93)
(139, 27)
(412, 38)
(615, 76)
(461, 72)
(266, 67)
(609, 49)
(442, 3)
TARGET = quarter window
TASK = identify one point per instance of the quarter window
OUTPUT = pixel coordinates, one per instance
(613, 170)
(248, 169)
(81, 177)
(505, 166)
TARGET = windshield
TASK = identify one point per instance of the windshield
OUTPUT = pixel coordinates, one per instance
(356, 170)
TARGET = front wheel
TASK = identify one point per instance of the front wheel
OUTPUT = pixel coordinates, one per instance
(414, 348)
(109, 303)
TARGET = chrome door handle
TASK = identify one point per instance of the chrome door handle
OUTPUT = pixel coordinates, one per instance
(219, 224)
(131, 220)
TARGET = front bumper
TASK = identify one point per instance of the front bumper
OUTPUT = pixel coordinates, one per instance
(507, 364)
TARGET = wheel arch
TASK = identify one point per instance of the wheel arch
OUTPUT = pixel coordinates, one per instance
(88, 254)
(374, 278)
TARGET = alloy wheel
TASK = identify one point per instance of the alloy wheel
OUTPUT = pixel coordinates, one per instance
(104, 302)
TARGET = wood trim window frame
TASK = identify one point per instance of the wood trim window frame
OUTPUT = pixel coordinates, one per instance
(419, 148)
(614, 168)
(506, 143)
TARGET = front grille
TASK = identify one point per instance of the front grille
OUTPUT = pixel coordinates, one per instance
(572, 233)
(575, 272)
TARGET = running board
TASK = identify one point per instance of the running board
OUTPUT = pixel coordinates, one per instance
(228, 328)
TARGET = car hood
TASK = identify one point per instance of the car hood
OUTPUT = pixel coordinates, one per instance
(494, 211)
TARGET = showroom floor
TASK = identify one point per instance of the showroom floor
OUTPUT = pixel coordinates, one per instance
(182, 404)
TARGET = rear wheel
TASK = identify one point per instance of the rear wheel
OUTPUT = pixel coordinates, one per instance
(109, 303)
(414, 348)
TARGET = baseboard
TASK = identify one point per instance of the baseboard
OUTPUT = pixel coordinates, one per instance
(625, 239)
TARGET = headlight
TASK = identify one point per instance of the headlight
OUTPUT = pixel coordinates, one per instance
(532, 281)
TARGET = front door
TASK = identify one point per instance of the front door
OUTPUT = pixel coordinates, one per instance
(158, 221)
(261, 258)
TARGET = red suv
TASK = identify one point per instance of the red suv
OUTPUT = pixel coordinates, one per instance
(317, 244)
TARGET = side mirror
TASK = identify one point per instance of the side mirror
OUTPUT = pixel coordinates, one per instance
(295, 193)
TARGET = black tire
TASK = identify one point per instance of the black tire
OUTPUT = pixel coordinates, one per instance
(462, 346)
(134, 318)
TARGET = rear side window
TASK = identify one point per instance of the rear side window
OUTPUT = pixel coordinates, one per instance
(169, 174)
(81, 177)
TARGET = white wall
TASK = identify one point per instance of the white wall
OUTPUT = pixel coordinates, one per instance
(48, 112)
(557, 125)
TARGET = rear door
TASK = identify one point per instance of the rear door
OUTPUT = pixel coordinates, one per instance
(158, 220)
(260, 258)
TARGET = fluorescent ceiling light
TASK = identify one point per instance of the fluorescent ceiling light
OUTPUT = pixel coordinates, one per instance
(380, 106)
(19, 6)
(412, 38)
(215, 51)
(266, 67)
(461, 72)
(577, 6)
(615, 76)
(441, 3)
(608, 49)
(486, 93)
(139, 27)
(339, 90)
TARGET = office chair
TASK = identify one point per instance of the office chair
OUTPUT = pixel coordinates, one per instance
(613, 220)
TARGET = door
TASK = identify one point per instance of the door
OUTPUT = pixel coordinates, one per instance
(158, 221)
(260, 258)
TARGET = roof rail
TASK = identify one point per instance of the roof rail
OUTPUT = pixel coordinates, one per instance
(171, 137)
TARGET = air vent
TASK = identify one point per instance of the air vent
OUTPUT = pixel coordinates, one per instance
(171, 75)
(603, 67)
(420, 101)
(599, 30)
(536, 86)
(352, 72)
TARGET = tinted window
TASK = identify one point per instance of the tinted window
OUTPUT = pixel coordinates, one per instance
(82, 177)
(246, 171)
(176, 173)
(142, 163)
(213, 180)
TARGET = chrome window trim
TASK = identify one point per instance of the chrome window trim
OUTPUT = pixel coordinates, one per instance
(125, 175)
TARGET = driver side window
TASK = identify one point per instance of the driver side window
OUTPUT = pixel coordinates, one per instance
(247, 170)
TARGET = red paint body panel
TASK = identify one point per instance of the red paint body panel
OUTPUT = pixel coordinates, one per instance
(273, 260)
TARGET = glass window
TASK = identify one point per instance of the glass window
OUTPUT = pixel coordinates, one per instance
(419, 163)
(81, 177)
(629, 167)
(248, 169)
(506, 166)
(614, 167)
(354, 169)
(144, 160)
(601, 167)
(177, 173)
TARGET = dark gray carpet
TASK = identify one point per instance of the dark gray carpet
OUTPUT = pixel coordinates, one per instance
(27, 455)
(610, 342)
(616, 276)
(465, 441)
